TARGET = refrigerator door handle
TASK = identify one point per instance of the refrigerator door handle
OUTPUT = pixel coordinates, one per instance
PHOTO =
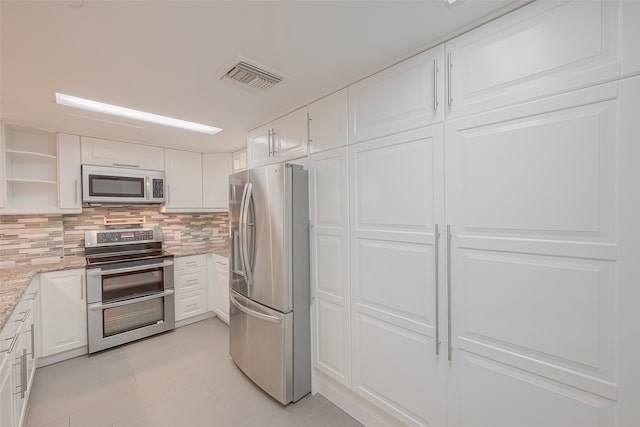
(244, 214)
(253, 313)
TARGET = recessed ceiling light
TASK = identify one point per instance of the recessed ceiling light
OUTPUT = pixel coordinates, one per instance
(100, 107)
(451, 2)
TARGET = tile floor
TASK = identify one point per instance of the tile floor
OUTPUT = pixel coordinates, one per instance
(182, 378)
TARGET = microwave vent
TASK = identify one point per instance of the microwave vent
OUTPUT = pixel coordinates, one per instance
(252, 76)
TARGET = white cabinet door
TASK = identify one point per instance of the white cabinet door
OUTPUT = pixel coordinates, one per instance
(406, 96)
(183, 171)
(190, 304)
(329, 212)
(396, 203)
(240, 160)
(103, 152)
(531, 196)
(630, 36)
(3, 170)
(222, 287)
(538, 50)
(629, 250)
(69, 174)
(6, 391)
(290, 135)
(215, 180)
(63, 311)
(259, 146)
(328, 122)
(17, 379)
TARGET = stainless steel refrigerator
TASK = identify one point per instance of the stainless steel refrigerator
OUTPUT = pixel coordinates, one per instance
(269, 313)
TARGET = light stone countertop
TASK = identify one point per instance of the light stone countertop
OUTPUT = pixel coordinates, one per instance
(14, 281)
(197, 250)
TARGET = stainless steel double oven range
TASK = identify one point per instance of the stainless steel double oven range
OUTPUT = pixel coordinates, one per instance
(129, 286)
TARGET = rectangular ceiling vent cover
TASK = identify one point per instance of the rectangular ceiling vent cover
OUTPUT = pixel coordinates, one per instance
(252, 76)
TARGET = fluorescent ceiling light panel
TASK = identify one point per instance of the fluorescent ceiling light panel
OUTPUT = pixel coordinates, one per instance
(100, 107)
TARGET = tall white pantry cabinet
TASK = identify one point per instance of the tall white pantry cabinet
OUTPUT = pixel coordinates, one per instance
(475, 237)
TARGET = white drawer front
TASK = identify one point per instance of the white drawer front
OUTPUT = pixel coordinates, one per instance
(193, 261)
(191, 304)
(190, 280)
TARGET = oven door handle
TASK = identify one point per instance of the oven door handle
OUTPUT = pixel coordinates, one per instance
(101, 272)
(99, 306)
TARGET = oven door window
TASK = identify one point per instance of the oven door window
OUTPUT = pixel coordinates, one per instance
(129, 285)
(117, 320)
(116, 186)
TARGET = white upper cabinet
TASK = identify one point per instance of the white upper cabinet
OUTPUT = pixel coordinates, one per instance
(240, 160)
(630, 36)
(69, 173)
(104, 152)
(283, 139)
(30, 171)
(183, 171)
(406, 96)
(538, 50)
(215, 180)
(328, 122)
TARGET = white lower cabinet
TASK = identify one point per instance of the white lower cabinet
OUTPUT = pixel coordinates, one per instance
(221, 286)
(329, 218)
(6, 391)
(190, 282)
(63, 311)
(531, 198)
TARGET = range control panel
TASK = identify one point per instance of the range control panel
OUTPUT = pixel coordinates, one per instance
(122, 236)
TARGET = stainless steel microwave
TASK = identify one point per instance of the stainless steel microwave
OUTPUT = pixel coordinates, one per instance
(105, 184)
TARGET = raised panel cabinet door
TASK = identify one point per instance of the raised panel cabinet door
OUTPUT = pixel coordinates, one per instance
(183, 171)
(329, 215)
(103, 152)
(630, 36)
(6, 392)
(290, 135)
(407, 96)
(63, 311)
(541, 49)
(215, 180)
(222, 288)
(190, 304)
(69, 173)
(260, 147)
(328, 122)
(531, 199)
(396, 210)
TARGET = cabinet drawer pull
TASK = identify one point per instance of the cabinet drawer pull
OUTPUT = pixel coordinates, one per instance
(192, 305)
(436, 239)
(449, 345)
(13, 343)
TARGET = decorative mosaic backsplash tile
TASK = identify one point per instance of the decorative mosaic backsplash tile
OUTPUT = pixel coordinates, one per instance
(45, 238)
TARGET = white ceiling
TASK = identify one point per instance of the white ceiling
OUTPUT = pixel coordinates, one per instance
(166, 57)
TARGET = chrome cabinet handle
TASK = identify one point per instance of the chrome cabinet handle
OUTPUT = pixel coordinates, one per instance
(253, 313)
(23, 362)
(169, 193)
(309, 119)
(100, 272)
(75, 191)
(449, 345)
(435, 85)
(33, 341)
(126, 165)
(81, 288)
(450, 77)
(269, 141)
(436, 239)
(13, 343)
(100, 306)
(273, 142)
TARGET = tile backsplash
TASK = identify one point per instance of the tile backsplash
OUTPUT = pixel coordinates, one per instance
(32, 239)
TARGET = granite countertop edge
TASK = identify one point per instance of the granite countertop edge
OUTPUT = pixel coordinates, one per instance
(201, 250)
(15, 280)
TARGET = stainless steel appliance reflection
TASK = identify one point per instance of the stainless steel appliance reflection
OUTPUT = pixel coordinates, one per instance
(129, 286)
(269, 324)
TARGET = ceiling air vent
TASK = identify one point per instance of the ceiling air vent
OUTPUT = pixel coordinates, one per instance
(252, 76)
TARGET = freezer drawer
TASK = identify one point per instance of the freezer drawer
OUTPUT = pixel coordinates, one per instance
(260, 343)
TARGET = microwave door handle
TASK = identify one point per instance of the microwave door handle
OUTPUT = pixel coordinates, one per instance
(147, 181)
(101, 272)
(100, 306)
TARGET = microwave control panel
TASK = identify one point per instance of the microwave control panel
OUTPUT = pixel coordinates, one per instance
(158, 188)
